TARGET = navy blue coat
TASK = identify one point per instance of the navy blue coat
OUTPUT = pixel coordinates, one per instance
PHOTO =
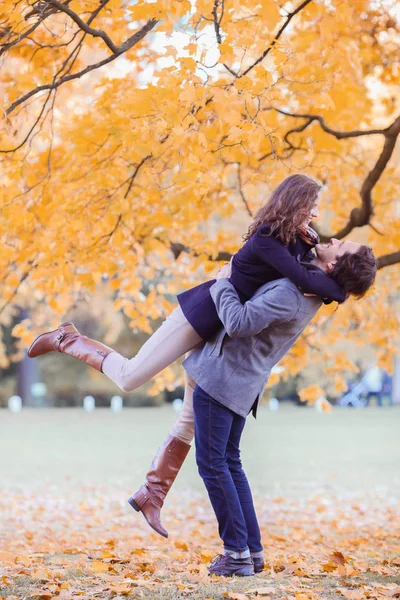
(261, 259)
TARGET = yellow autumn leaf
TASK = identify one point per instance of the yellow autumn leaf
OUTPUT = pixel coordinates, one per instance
(311, 393)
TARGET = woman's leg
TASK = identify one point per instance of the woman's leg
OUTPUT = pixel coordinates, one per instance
(183, 428)
(173, 339)
(166, 464)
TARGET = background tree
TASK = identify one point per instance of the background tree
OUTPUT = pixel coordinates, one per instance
(126, 160)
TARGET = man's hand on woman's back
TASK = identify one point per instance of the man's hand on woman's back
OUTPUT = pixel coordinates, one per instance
(226, 271)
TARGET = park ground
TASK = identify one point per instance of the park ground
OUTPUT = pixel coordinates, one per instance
(326, 487)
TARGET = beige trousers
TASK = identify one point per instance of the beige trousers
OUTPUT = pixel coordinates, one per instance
(174, 338)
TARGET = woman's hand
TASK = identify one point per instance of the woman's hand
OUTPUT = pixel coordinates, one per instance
(226, 271)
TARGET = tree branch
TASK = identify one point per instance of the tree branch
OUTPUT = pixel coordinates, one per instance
(37, 120)
(360, 216)
(339, 135)
(124, 47)
(177, 249)
(249, 212)
(24, 276)
(216, 20)
(278, 35)
(20, 37)
(135, 172)
(386, 260)
(84, 26)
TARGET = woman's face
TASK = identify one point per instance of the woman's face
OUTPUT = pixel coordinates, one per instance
(314, 212)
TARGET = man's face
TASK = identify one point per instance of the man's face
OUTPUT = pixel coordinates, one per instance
(329, 253)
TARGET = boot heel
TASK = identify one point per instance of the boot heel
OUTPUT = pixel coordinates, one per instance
(133, 504)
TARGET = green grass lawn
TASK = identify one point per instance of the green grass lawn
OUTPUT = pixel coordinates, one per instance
(291, 451)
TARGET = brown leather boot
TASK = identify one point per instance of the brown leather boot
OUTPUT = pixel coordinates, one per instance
(166, 464)
(68, 340)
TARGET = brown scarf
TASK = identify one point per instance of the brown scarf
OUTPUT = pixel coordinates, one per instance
(308, 235)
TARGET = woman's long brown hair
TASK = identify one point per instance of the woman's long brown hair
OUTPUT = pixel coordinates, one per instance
(288, 207)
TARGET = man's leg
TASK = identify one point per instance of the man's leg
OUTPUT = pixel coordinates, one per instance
(244, 493)
(213, 424)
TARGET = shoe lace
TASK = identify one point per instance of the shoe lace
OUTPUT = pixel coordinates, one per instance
(216, 559)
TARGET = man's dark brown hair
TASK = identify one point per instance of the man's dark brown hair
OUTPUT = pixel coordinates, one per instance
(356, 272)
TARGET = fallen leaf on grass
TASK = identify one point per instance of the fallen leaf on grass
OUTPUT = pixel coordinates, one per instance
(235, 596)
(24, 560)
(40, 575)
(66, 585)
(121, 588)
(352, 594)
(7, 557)
(395, 593)
(147, 567)
(263, 591)
(140, 551)
(99, 567)
(107, 554)
(336, 559)
(205, 557)
(181, 545)
(287, 570)
(396, 562)
(347, 571)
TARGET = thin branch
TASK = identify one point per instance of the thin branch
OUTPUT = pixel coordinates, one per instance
(249, 211)
(135, 172)
(73, 56)
(217, 21)
(37, 120)
(19, 38)
(84, 26)
(339, 135)
(15, 291)
(231, 71)
(278, 35)
(106, 237)
(124, 47)
(177, 249)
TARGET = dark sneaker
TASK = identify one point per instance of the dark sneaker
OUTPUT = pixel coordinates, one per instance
(258, 565)
(227, 566)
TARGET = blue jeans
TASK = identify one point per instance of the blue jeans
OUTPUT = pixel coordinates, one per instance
(217, 433)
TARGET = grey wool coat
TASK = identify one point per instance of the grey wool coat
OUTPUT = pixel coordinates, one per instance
(234, 366)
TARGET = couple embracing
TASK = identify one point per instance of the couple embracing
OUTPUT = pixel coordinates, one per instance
(233, 330)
